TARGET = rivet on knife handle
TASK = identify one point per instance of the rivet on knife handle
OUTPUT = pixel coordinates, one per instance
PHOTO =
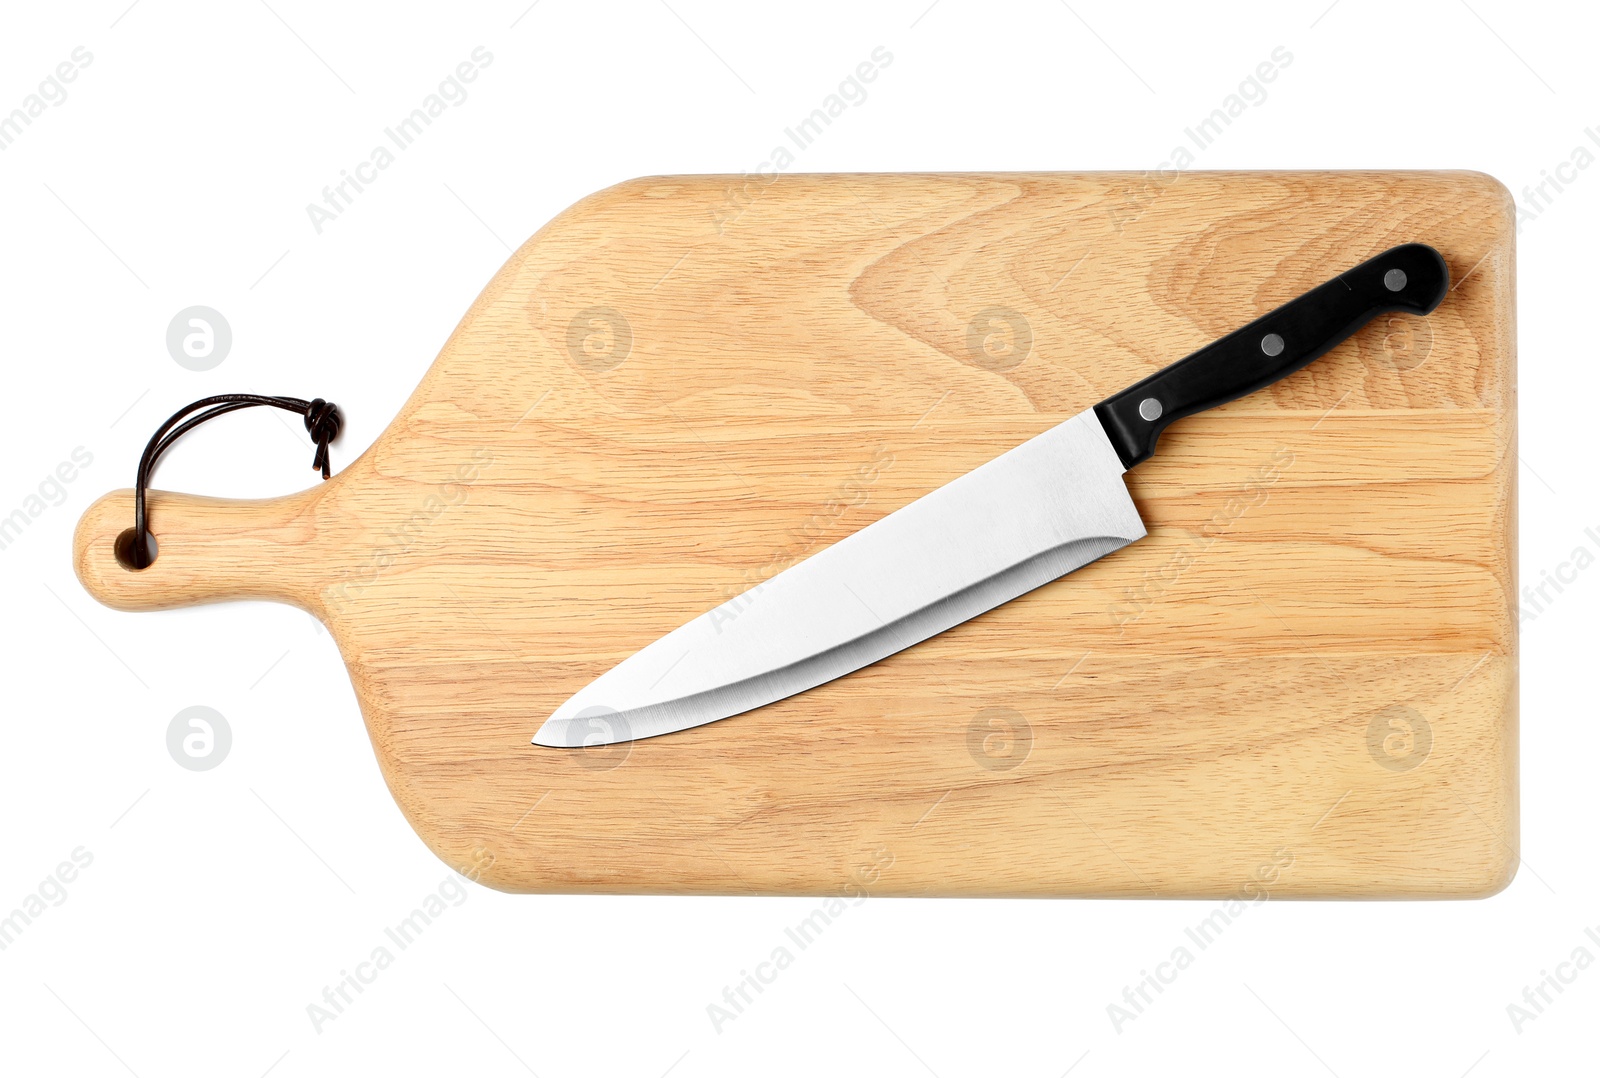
(1411, 278)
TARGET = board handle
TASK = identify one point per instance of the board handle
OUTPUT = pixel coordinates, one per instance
(207, 550)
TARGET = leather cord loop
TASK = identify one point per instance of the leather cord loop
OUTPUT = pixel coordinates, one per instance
(322, 420)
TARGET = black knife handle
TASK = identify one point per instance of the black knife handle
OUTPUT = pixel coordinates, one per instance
(1412, 278)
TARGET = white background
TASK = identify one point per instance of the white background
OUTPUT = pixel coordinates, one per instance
(219, 904)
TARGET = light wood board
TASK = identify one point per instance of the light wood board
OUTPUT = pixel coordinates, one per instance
(1302, 683)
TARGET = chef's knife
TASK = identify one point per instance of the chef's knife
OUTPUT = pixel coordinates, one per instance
(1051, 505)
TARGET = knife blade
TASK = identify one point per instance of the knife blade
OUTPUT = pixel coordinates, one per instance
(1033, 514)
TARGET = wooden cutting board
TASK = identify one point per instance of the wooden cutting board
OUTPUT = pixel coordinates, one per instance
(1303, 683)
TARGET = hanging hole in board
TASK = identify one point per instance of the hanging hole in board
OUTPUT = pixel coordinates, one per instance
(128, 552)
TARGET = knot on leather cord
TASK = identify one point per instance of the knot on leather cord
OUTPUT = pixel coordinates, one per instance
(322, 423)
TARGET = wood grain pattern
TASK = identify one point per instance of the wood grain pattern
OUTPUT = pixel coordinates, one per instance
(682, 385)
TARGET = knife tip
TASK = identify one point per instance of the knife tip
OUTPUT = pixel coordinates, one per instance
(577, 726)
(548, 738)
